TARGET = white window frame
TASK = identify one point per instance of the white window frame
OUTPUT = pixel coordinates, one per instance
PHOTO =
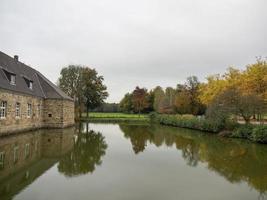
(3, 109)
(17, 110)
(29, 110)
(12, 79)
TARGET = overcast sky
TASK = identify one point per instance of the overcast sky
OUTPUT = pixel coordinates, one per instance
(135, 42)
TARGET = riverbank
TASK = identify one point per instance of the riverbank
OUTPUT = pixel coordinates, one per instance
(252, 132)
(115, 117)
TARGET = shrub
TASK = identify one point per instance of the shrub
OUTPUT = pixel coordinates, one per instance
(243, 131)
(259, 134)
(153, 116)
(189, 121)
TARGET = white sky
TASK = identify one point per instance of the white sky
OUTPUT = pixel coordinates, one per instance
(137, 42)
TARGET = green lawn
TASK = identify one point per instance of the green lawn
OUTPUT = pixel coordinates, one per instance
(115, 117)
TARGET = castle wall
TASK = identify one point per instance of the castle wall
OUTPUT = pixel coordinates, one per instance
(46, 113)
(11, 123)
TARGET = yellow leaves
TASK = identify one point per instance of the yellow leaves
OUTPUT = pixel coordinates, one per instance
(252, 80)
(210, 90)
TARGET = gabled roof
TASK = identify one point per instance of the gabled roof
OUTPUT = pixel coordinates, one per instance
(42, 87)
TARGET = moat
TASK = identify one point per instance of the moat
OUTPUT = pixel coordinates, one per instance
(130, 161)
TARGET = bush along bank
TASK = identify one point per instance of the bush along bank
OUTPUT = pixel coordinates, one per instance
(188, 121)
(255, 133)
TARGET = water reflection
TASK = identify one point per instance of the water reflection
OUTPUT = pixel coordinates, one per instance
(235, 160)
(26, 156)
(79, 151)
(89, 148)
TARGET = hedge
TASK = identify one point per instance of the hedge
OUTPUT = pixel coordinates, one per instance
(188, 121)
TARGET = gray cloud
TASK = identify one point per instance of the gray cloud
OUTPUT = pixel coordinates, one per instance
(141, 42)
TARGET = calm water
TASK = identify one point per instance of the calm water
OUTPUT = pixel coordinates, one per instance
(127, 161)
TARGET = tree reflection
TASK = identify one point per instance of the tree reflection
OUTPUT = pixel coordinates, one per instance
(236, 160)
(88, 150)
(138, 136)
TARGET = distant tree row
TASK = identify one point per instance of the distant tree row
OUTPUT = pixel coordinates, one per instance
(183, 99)
(107, 108)
(236, 92)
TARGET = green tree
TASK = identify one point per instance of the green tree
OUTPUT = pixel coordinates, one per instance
(71, 82)
(84, 85)
(126, 104)
(158, 98)
(95, 92)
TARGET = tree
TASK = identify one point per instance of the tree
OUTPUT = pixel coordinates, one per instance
(139, 99)
(233, 102)
(84, 85)
(193, 85)
(71, 82)
(94, 90)
(158, 98)
(126, 104)
(182, 101)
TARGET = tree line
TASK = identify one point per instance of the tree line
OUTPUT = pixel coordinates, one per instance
(236, 92)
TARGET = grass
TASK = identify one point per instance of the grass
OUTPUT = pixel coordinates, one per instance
(115, 117)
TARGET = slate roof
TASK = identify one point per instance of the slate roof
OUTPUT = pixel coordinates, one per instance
(42, 87)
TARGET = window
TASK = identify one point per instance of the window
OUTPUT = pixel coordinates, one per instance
(29, 110)
(30, 85)
(10, 76)
(49, 115)
(27, 150)
(28, 82)
(13, 79)
(17, 110)
(3, 108)
(2, 160)
(16, 154)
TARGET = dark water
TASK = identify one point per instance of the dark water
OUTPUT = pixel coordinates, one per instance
(127, 161)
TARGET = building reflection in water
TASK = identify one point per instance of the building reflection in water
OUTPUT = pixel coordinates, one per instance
(26, 156)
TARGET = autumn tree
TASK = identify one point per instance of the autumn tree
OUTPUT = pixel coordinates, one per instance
(233, 102)
(140, 99)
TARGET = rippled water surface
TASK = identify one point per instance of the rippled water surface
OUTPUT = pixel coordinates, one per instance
(130, 161)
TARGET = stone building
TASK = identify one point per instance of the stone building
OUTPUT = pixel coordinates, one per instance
(28, 100)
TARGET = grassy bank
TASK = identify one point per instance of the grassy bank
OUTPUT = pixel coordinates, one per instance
(255, 133)
(115, 117)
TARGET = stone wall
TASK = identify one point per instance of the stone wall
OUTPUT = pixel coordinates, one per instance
(58, 113)
(54, 113)
(12, 123)
(68, 113)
